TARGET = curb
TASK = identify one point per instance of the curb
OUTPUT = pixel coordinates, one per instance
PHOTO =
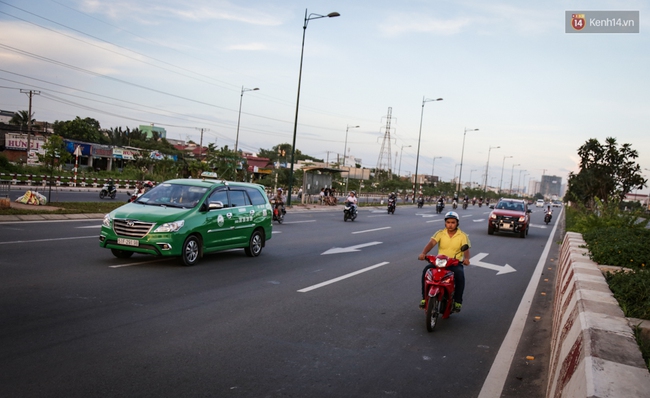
(593, 349)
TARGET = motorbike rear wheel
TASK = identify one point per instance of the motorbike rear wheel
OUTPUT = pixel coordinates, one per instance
(102, 194)
(432, 313)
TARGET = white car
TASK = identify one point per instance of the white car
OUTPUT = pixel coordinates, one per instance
(539, 203)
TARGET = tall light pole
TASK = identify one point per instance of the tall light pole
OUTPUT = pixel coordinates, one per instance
(345, 149)
(295, 123)
(487, 167)
(433, 164)
(470, 177)
(241, 97)
(462, 152)
(400, 159)
(502, 165)
(512, 173)
(519, 182)
(417, 158)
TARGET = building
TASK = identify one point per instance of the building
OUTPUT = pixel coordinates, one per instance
(149, 129)
(551, 186)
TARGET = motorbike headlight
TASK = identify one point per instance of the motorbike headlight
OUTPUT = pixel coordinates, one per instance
(107, 221)
(170, 226)
(441, 262)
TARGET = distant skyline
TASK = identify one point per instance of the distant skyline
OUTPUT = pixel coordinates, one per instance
(506, 68)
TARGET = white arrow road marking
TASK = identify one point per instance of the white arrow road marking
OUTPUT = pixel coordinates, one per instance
(371, 230)
(476, 260)
(340, 278)
(355, 248)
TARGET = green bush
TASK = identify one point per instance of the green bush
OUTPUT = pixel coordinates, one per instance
(632, 291)
(625, 247)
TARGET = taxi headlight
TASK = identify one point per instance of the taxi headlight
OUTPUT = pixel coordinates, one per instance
(107, 221)
(170, 226)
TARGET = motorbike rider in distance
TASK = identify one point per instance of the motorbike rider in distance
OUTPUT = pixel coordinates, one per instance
(351, 200)
(449, 241)
(279, 201)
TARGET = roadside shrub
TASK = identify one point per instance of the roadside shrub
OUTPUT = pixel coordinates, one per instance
(632, 291)
(625, 247)
(603, 215)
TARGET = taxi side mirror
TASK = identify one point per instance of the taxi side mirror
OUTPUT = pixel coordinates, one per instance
(215, 205)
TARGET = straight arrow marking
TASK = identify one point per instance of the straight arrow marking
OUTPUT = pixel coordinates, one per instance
(502, 269)
(355, 248)
(351, 274)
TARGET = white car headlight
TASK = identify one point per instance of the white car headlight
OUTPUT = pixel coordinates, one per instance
(170, 226)
(107, 221)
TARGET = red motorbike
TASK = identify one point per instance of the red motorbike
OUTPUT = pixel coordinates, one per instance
(439, 288)
(278, 212)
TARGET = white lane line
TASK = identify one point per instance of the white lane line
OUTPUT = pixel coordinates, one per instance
(371, 230)
(298, 222)
(496, 378)
(440, 219)
(340, 278)
(90, 226)
(48, 240)
(138, 263)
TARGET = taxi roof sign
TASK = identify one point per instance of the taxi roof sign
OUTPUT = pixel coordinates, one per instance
(209, 174)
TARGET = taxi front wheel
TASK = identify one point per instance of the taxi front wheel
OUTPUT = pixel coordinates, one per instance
(254, 245)
(191, 251)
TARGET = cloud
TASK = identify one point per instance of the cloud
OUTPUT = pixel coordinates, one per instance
(407, 23)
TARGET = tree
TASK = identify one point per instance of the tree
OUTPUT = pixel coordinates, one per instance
(607, 172)
(87, 130)
(21, 119)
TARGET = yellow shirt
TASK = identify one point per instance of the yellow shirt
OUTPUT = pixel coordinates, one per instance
(450, 246)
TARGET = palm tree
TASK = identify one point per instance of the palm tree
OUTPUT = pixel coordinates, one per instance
(21, 118)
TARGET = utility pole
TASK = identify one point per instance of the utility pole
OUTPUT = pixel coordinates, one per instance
(201, 142)
(30, 93)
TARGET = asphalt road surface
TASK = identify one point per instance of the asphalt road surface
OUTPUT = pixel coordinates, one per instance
(329, 309)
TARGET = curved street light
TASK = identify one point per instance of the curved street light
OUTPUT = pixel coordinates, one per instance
(345, 149)
(433, 164)
(512, 173)
(417, 158)
(400, 159)
(502, 165)
(487, 167)
(462, 152)
(241, 97)
(295, 123)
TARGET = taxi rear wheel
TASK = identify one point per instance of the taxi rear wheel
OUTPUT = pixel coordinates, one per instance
(191, 251)
(255, 245)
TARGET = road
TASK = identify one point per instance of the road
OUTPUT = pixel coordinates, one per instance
(293, 322)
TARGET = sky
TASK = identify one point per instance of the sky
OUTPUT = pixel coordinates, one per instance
(506, 68)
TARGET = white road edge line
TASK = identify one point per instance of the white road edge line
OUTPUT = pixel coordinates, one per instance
(298, 222)
(496, 378)
(371, 230)
(48, 240)
(340, 278)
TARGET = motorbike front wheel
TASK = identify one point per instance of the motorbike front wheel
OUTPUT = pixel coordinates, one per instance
(113, 195)
(432, 313)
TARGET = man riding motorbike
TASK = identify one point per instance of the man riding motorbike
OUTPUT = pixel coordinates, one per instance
(449, 241)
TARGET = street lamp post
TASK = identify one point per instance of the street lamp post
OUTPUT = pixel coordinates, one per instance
(417, 158)
(295, 123)
(512, 173)
(519, 183)
(433, 164)
(462, 152)
(241, 98)
(470, 177)
(345, 149)
(487, 167)
(400, 159)
(502, 165)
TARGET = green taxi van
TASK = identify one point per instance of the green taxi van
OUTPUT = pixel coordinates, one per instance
(188, 218)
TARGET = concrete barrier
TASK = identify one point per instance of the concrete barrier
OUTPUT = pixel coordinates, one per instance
(593, 350)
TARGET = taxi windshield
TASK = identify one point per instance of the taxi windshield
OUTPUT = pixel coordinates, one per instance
(173, 195)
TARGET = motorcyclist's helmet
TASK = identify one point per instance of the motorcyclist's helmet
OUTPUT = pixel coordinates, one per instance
(148, 184)
(354, 193)
(454, 215)
(280, 190)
